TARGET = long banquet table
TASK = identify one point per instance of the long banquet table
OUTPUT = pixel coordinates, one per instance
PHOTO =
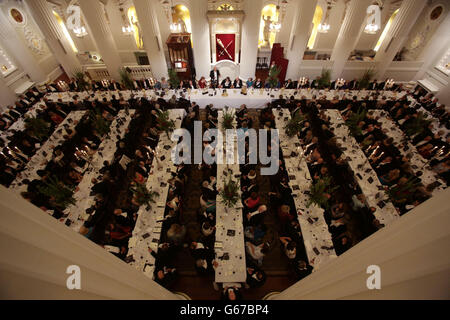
(364, 174)
(229, 224)
(316, 237)
(45, 153)
(401, 142)
(147, 231)
(76, 213)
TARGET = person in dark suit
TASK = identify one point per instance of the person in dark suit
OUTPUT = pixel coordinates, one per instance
(226, 83)
(114, 86)
(191, 85)
(237, 83)
(352, 85)
(258, 84)
(373, 85)
(215, 77)
(315, 83)
(381, 85)
(289, 84)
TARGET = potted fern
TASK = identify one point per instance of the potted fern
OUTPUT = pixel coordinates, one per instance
(81, 80)
(100, 124)
(294, 125)
(324, 80)
(354, 119)
(363, 83)
(37, 128)
(417, 125)
(59, 193)
(142, 195)
(230, 193)
(125, 79)
(401, 193)
(165, 123)
(273, 76)
(173, 78)
(320, 192)
(227, 120)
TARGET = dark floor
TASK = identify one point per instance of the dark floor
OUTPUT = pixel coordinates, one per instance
(275, 263)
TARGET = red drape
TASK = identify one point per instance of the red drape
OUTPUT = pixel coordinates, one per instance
(228, 41)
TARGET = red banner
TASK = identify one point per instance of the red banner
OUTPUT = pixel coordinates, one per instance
(225, 46)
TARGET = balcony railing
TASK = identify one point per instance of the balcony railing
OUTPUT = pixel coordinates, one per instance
(137, 72)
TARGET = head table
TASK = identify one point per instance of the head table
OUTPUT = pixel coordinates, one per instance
(220, 98)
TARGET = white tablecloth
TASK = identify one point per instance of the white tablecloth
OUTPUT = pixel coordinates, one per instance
(234, 269)
(39, 160)
(77, 212)
(19, 125)
(316, 234)
(255, 98)
(359, 163)
(147, 231)
(234, 98)
(418, 163)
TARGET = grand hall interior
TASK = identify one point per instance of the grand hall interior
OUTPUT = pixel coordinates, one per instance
(224, 149)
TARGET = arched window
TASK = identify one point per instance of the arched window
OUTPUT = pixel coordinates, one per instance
(181, 15)
(133, 20)
(65, 31)
(316, 22)
(269, 14)
(385, 31)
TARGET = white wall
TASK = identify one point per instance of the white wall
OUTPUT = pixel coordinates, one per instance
(36, 250)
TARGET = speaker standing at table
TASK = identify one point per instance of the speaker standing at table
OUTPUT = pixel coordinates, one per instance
(214, 75)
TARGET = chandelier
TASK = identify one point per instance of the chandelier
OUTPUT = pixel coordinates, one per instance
(80, 32)
(371, 28)
(127, 30)
(324, 27)
(276, 26)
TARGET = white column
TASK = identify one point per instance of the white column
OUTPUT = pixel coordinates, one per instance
(22, 56)
(406, 17)
(250, 34)
(349, 33)
(151, 35)
(412, 254)
(37, 249)
(7, 96)
(304, 14)
(52, 31)
(200, 38)
(95, 19)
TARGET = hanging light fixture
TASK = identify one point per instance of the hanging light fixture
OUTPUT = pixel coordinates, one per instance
(80, 32)
(126, 28)
(371, 28)
(276, 26)
(324, 27)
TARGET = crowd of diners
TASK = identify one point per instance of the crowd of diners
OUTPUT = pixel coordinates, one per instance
(113, 215)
